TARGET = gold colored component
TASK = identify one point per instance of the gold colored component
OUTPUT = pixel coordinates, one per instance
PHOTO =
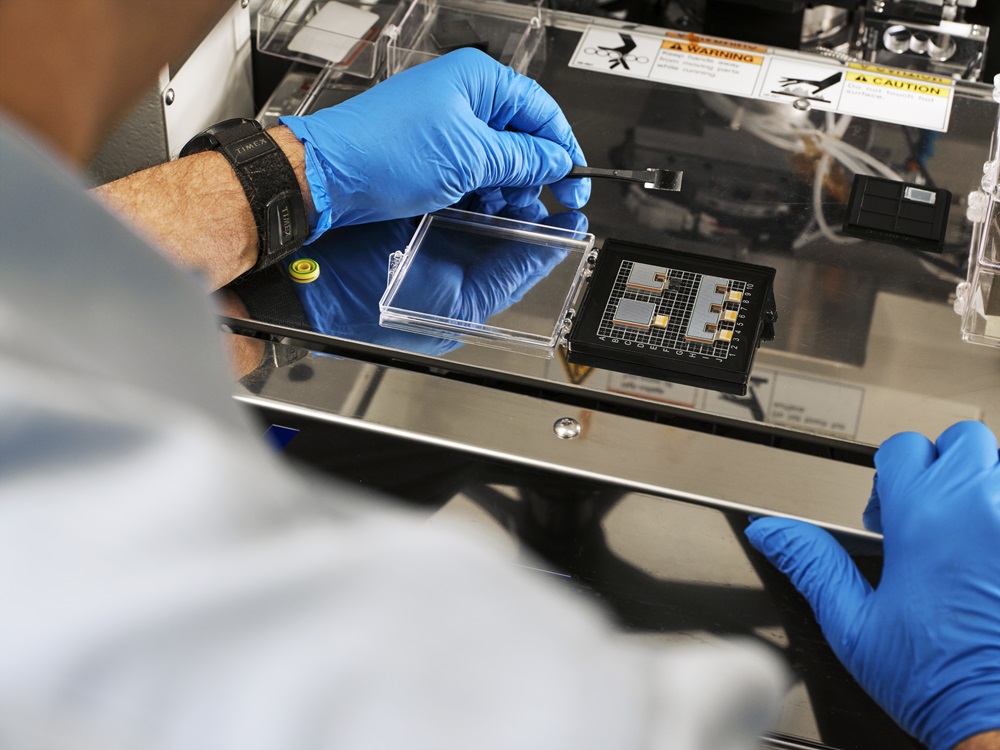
(724, 334)
(660, 321)
(734, 296)
(730, 315)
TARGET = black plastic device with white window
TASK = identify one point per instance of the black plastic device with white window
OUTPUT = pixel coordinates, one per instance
(898, 212)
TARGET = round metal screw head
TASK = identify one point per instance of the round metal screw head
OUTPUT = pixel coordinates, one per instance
(801, 104)
(566, 428)
(169, 97)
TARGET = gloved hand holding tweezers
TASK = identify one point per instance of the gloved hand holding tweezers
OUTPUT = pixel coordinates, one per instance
(427, 136)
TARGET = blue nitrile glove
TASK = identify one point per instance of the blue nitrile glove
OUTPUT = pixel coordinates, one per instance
(425, 137)
(354, 263)
(925, 644)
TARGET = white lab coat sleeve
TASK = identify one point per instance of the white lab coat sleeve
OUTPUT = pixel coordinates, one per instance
(167, 582)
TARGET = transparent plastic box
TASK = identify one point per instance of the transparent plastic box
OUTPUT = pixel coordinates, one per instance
(425, 29)
(487, 280)
(346, 35)
(978, 298)
(371, 39)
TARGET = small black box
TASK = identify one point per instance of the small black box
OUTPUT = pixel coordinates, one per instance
(898, 212)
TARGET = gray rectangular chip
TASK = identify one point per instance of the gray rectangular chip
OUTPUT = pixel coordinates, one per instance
(632, 312)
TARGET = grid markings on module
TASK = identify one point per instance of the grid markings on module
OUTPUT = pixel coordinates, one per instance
(675, 301)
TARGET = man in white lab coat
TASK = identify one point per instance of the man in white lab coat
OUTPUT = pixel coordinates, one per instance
(167, 582)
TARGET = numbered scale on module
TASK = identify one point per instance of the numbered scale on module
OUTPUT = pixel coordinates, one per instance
(643, 310)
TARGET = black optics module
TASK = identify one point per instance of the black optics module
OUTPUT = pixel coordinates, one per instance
(675, 316)
(897, 212)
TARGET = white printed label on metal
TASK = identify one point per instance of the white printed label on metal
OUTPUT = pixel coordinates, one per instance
(816, 406)
(652, 390)
(747, 70)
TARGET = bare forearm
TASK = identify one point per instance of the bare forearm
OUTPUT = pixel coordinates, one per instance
(985, 741)
(196, 212)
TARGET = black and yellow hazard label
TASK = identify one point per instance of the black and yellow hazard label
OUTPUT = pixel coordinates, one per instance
(575, 374)
(697, 40)
(717, 53)
(899, 84)
(905, 74)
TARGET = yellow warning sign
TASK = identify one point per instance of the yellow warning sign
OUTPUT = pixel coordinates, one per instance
(900, 84)
(575, 374)
(713, 52)
(715, 41)
(901, 74)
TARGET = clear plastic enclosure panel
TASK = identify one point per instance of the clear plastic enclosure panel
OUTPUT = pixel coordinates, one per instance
(979, 297)
(486, 280)
(342, 34)
(430, 28)
(981, 320)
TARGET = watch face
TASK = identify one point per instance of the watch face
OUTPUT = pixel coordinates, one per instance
(207, 139)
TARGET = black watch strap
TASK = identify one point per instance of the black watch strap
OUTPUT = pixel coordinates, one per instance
(268, 181)
(269, 297)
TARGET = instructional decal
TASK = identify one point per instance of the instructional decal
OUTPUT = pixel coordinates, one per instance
(728, 67)
(864, 90)
(710, 64)
(653, 390)
(790, 80)
(893, 96)
(818, 406)
(618, 53)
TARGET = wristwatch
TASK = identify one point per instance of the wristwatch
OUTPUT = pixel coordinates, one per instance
(268, 181)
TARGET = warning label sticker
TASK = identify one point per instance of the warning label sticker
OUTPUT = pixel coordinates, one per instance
(867, 91)
(729, 67)
(900, 84)
(788, 80)
(623, 54)
(914, 75)
(713, 65)
(924, 101)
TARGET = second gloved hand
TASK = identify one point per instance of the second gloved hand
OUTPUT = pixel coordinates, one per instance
(925, 643)
(425, 137)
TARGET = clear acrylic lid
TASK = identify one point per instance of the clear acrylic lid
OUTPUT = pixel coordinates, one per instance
(487, 280)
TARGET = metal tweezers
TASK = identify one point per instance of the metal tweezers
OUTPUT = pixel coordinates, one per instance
(654, 179)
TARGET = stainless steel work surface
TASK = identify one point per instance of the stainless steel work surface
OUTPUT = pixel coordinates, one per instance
(867, 343)
(640, 455)
(646, 518)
